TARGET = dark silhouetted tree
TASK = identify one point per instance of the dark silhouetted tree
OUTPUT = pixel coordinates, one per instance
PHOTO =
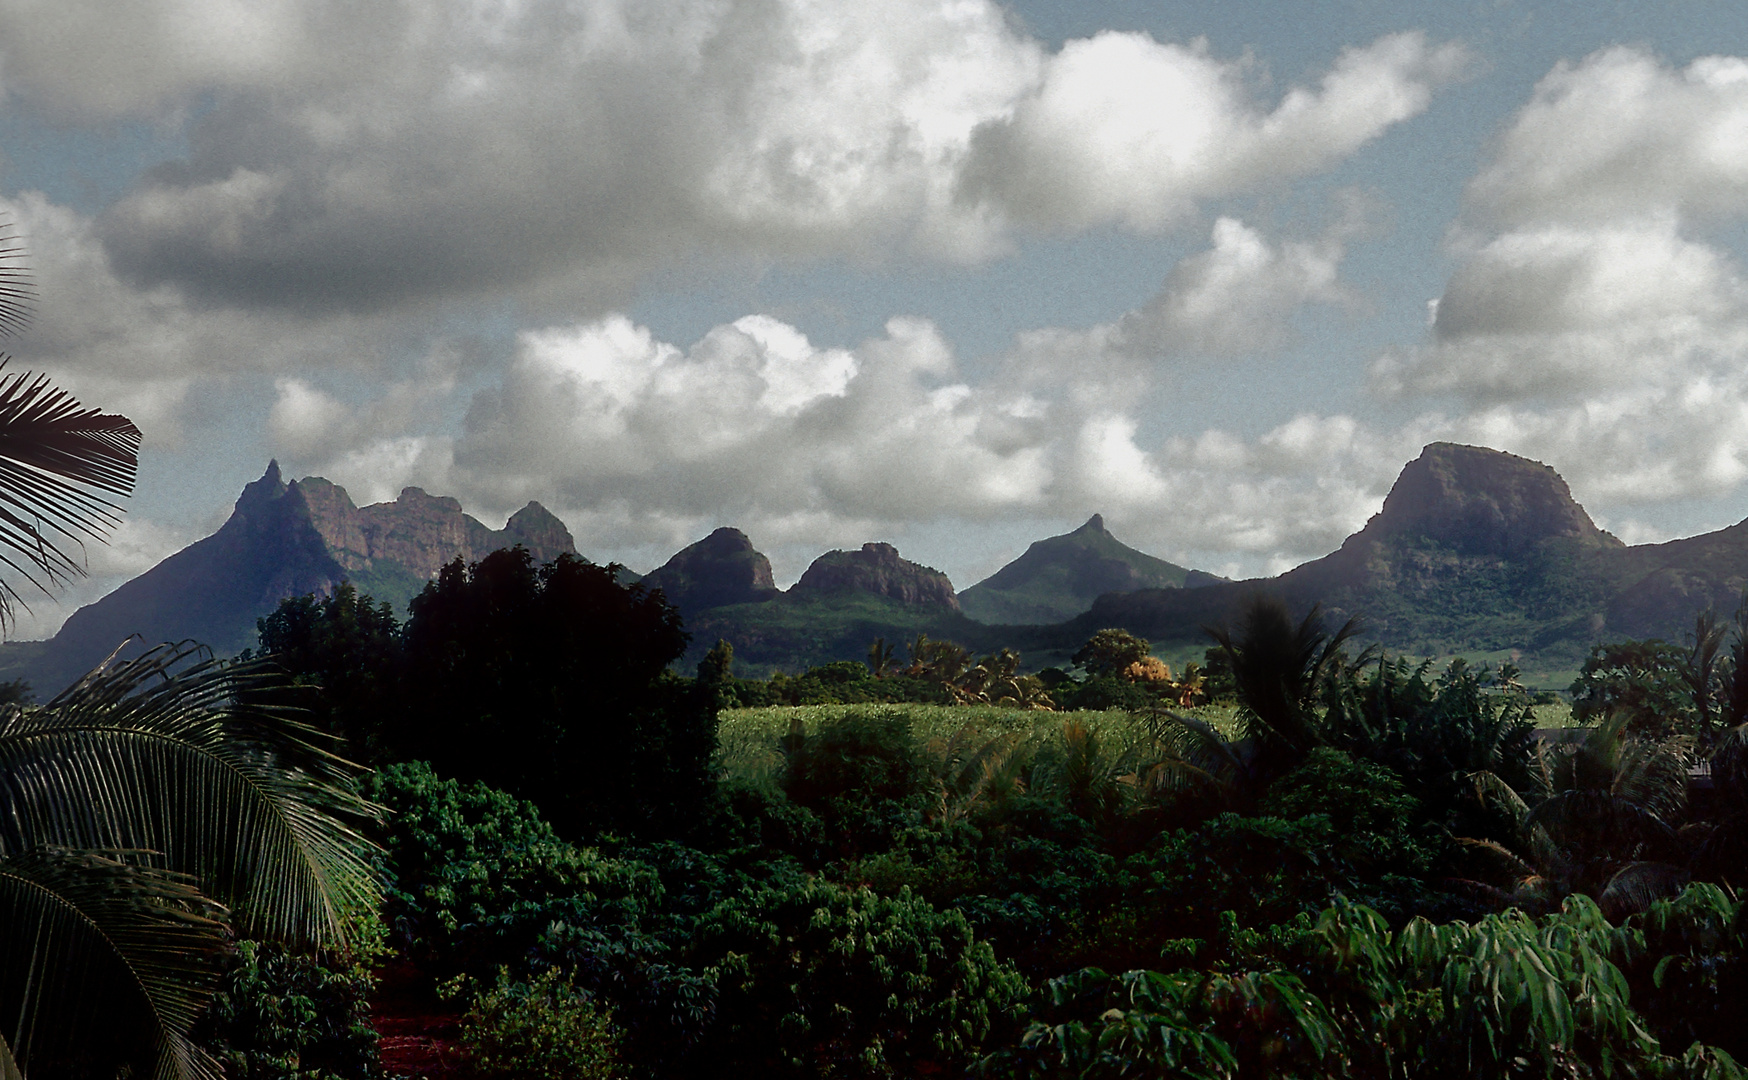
(551, 682)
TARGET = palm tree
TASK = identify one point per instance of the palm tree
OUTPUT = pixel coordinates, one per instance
(1279, 669)
(1600, 817)
(152, 810)
(146, 814)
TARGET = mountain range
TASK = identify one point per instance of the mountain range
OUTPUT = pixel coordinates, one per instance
(282, 539)
(1474, 550)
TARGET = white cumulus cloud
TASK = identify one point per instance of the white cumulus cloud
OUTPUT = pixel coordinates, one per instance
(360, 161)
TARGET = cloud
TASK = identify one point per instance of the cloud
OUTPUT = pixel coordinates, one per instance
(641, 444)
(306, 420)
(1621, 134)
(97, 62)
(1591, 322)
(1583, 264)
(143, 350)
(1560, 310)
(1126, 129)
(361, 162)
(1237, 296)
(751, 420)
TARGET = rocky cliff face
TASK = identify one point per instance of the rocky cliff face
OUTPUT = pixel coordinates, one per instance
(1476, 501)
(285, 540)
(722, 569)
(417, 533)
(877, 569)
(1477, 550)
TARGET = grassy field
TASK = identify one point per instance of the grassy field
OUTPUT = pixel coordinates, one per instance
(749, 741)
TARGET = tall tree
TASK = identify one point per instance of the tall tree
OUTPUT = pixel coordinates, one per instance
(343, 653)
(1278, 670)
(551, 682)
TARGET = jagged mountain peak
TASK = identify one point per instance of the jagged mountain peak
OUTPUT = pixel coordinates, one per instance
(261, 492)
(286, 539)
(539, 530)
(1060, 577)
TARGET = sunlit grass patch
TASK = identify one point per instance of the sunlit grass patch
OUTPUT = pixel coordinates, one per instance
(749, 741)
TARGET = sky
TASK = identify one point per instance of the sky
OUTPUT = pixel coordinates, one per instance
(951, 274)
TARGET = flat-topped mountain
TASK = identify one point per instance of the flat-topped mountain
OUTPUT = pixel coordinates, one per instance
(284, 540)
(1477, 501)
(1058, 578)
(878, 571)
(1475, 550)
(721, 569)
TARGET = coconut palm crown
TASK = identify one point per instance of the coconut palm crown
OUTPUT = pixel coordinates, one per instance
(147, 815)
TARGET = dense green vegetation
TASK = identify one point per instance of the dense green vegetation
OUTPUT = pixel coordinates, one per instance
(1335, 864)
(1294, 860)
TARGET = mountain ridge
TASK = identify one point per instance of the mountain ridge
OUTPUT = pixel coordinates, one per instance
(281, 540)
(1505, 560)
(1473, 550)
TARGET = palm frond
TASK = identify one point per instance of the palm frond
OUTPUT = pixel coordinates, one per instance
(16, 292)
(1637, 886)
(58, 459)
(1492, 790)
(9, 1069)
(109, 965)
(1201, 745)
(1497, 856)
(163, 754)
(1653, 775)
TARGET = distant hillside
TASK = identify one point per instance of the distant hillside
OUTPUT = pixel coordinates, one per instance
(842, 603)
(281, 540)
(1474, 550)
(1059, 578)
(804, 628)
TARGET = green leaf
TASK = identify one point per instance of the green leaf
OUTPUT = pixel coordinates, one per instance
(162, 754)
(108, 963)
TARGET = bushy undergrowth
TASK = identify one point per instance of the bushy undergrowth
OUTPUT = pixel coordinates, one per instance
(820, 980)
(474, 875)
(1508, 995)
(1355, 869)
(540, 1029)
(282, 1015)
